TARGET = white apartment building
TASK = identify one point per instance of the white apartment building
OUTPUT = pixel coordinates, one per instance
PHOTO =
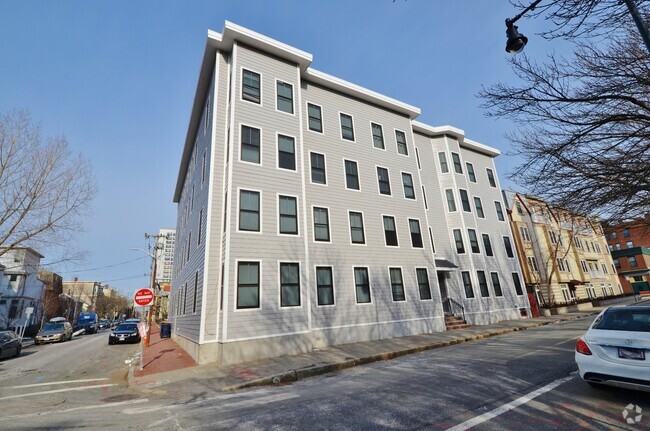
(20, 287)
(313, 212)
(164, 252)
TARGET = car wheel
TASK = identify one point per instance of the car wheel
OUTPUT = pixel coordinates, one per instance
(17, 352)
(110, 342)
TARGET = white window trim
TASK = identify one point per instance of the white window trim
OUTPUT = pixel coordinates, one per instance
(331, 267)
(408, 153)
(503, 212)
(345, 176)
(301, 286)
(325, 162)
(401, 177)
(449, 210)
(390, 282)
(241, 86)
(363, 223)
(322, 118)
(240, 143)
(329, 225)
(384, 230)
(354, 134)
(415, 271)
(354, 284)
(390, 183)
(293, 97)
(238, 209)
(236, 287)
(277, 152)
(372, 137)
(408, 220)
(277, 203)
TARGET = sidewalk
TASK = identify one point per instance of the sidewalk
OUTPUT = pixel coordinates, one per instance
(170, 370)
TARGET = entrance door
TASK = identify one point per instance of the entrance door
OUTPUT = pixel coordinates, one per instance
(442, 284)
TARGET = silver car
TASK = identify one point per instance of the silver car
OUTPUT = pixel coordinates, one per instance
(53, 331)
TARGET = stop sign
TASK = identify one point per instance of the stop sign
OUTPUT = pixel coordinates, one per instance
(143, 297)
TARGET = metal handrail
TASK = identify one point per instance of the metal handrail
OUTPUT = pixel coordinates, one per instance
(454, 304)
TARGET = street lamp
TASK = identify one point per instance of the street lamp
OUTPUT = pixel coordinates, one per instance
(517, 41)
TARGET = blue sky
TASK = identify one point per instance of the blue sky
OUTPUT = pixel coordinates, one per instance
(117, 79)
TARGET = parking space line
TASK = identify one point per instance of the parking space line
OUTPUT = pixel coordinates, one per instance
(81, 388)
(509, 406)
(97, 406)
(63, 382)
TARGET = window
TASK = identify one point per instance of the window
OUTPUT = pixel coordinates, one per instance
(576, 241)
(479, 207)
(356, 228)
(416, 234)
(451, 202)
(397, 284)
(417, 157)
(626, 233)
(362, 285)
(517, 282)
(473, 241)
(618, 246)
(604, 268)
(196, 288)
(433, 247)
(400, 137)
(470, 172)
(458, 167)
(203, 167)
(524, 233)
(251, 86)
(496, 284)
(324, 285)
(424, 197)
(632, 260)
(200, 238)
(487, 245)
(617, 264)
(321, 224)
(384, 181)
(248, 285)
(315, 118)
(520, 210)
(249, 211)
(614, 235)
(458, 238)
(442, 157)
(611, 247)
(497, 206)
(491, 179)
(347, 129)
(289, 285)
(351, 175)
(286, 153)
(629, 244)
(423, 283)
(508, 246)
(583, 265)
(377, 135)
(532, 264)
(407, 182)
(285, 97)
(288, 215)
(318, 168)
(482, 282)
(464, 200)
(390, 232)
(250, 144)
(467, 284)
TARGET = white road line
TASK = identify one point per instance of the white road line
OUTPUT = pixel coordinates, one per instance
(74, 409)
(58, 383)
(81, 388)
(511, 405)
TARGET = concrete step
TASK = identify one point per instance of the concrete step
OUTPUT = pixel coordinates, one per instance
(454, 322)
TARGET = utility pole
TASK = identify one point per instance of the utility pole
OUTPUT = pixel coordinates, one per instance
(156, 237)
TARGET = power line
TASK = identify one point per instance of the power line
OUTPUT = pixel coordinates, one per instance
(127, 278)
(107, 266)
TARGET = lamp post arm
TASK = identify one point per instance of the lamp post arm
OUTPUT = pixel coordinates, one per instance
(511, 21)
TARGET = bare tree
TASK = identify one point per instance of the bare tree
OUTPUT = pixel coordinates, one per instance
(584, 134)
(45, 190)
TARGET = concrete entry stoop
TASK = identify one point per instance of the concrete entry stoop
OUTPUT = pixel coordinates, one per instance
(454, 322)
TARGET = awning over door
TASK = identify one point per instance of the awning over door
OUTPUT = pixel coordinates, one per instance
(445, 265)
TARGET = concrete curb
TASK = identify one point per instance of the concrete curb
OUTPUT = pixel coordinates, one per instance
(326, 368)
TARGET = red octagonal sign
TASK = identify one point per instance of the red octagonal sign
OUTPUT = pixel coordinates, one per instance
(143, 297)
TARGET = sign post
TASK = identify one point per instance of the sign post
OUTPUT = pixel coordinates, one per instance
(143, 298)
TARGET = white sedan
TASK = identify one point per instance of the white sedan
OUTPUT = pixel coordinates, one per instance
(615, 350)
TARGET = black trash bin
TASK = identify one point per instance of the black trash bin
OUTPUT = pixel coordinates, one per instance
(165, 330)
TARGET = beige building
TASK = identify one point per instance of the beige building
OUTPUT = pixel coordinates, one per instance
(564, 256)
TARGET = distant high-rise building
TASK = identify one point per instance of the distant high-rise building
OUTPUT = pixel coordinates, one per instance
(165, 255)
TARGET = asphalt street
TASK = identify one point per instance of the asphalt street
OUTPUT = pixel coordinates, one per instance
(520, 381)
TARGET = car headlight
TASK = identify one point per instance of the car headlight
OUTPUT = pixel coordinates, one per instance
(133, 334)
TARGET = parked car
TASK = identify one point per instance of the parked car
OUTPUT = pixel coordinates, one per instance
(10, 344)
(57, 329)
(88, 322)
(615, 350)
(133, 320)
(103, 324)
(124, 333)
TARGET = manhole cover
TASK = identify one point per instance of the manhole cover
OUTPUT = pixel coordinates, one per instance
(117, 398)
